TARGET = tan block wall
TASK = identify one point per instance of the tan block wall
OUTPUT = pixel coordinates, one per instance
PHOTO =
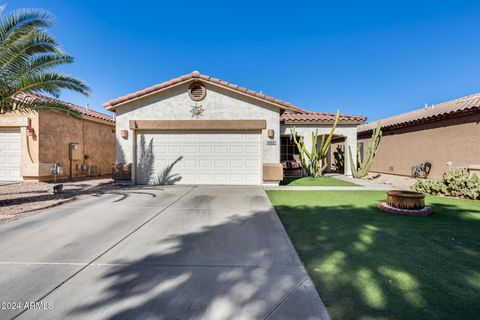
(456, 140)
(57, 131)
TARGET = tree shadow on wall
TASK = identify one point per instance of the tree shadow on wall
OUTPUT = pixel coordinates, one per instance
(120, 154)
(166, 177)
(145, 170)
(145, 161)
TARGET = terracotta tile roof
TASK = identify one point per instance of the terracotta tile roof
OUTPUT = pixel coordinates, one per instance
(432, 113)
(315, 117)
(82, 110)
(196, 75)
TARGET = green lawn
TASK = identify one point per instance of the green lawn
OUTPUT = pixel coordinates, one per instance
(368, 264)
(321, 181)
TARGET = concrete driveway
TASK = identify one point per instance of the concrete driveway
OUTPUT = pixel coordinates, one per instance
(176, 252)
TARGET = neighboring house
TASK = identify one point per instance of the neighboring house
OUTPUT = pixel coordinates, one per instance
(445, 133)
(31, 143)
(220, 133)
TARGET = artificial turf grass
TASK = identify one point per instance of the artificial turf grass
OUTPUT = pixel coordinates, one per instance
(368, 264)
(320, 181)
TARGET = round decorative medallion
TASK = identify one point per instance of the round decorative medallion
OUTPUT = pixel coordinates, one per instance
(197, 91)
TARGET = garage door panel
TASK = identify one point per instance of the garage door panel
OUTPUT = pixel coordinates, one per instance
(10, 151)
(236, 149)
(222, 149)
(13, 160)
(208, 158)
(189, 163)
(251, 149)
(190, 149)
(251, 164)
(205, 149)
(13, 146)
(221, 163)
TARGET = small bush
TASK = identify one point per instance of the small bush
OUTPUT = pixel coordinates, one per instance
(454, 183)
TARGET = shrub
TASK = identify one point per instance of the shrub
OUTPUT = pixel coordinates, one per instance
(454, 183)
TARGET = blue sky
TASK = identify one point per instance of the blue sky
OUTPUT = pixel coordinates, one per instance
(364, 57)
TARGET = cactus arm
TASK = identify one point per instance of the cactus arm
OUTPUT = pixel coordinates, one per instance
(332, 131)
(363, 167)
(325, 145)
(302, 152)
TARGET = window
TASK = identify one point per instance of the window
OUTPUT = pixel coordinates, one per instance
(287, 148)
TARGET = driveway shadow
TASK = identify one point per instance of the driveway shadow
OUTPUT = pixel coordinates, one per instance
(223, 271)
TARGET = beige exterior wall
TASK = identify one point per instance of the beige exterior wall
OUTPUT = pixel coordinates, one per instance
(49, 140)
(456, 140)
(95, 139)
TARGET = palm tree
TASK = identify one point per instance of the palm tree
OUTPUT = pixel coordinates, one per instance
(27, 55)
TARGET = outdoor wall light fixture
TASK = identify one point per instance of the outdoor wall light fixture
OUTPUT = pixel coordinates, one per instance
(271, 133)
(31, 132)
(124, 134)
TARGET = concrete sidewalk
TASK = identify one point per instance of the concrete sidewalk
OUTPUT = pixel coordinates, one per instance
(176, 252)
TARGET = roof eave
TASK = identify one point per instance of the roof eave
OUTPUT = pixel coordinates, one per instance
(325, 122)
(430, 119)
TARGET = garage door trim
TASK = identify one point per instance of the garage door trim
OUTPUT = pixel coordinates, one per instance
(197, 124)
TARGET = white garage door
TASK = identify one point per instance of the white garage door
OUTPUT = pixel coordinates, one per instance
(207, 157)
(10, 154)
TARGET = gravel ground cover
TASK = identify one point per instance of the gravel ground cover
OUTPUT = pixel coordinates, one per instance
(397, 182)
(26, 198)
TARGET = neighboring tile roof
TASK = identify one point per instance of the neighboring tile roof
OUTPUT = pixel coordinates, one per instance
(196, 75)
(315, 117)
(435, 112)
(82, 110)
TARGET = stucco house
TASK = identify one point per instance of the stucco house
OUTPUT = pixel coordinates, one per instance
(444, 134)
(31, 143)
(196, 129)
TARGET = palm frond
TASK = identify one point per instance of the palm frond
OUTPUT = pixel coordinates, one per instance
(28, 102)
(24, 19)
(45, 62)
(47, 82)
(27, 47)
(27, 55)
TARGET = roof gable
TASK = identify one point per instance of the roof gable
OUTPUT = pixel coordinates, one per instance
(196, 76)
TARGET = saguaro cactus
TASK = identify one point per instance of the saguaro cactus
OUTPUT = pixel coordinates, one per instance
(308, 160)
(361, 168)
(325, 146)
(315, 161)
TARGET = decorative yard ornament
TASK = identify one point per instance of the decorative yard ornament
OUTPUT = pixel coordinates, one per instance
(197, 110)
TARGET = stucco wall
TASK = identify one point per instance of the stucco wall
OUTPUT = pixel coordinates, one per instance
(95, 139)
(349, 132)
(456, 140)
(176, 104)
